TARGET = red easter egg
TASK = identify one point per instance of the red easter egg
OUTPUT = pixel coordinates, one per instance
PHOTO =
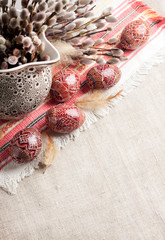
(65, 85)
(135, 34)
(25, 145)
(103, 76)
(65, 119)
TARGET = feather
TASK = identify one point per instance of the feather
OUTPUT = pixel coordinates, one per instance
(94, 100)
(66, 51)
(1, 134)
(50, 153)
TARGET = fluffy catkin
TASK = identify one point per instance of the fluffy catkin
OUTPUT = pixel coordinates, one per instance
(66, 50)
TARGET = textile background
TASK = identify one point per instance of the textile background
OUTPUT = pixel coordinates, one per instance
(108, 184)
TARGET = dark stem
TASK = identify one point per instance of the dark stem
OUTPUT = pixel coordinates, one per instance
(32, 12)
(86, 34)
(78, 16)
(104, 49)
(13, 2)
(47, 20)
(89, 22)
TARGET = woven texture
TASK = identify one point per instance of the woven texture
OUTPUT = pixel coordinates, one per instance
(125, 11)
(108, 184)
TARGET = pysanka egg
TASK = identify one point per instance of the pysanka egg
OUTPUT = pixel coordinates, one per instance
(65, 119)
(135, 34)
(65, 85)
(103, 76)
(25, 145)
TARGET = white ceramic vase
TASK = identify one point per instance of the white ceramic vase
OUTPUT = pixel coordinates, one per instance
(24, 88)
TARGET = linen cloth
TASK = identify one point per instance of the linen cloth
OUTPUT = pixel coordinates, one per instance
(110, 185)
(125, 11)
(114, 189)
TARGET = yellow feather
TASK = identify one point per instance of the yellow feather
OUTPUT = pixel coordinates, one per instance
(94, 100)
(50, 153)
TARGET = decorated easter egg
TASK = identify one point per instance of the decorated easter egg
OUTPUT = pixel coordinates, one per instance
(25, 145)
(135, 34)
(65, 85)
(65, 119)
(103, 76)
